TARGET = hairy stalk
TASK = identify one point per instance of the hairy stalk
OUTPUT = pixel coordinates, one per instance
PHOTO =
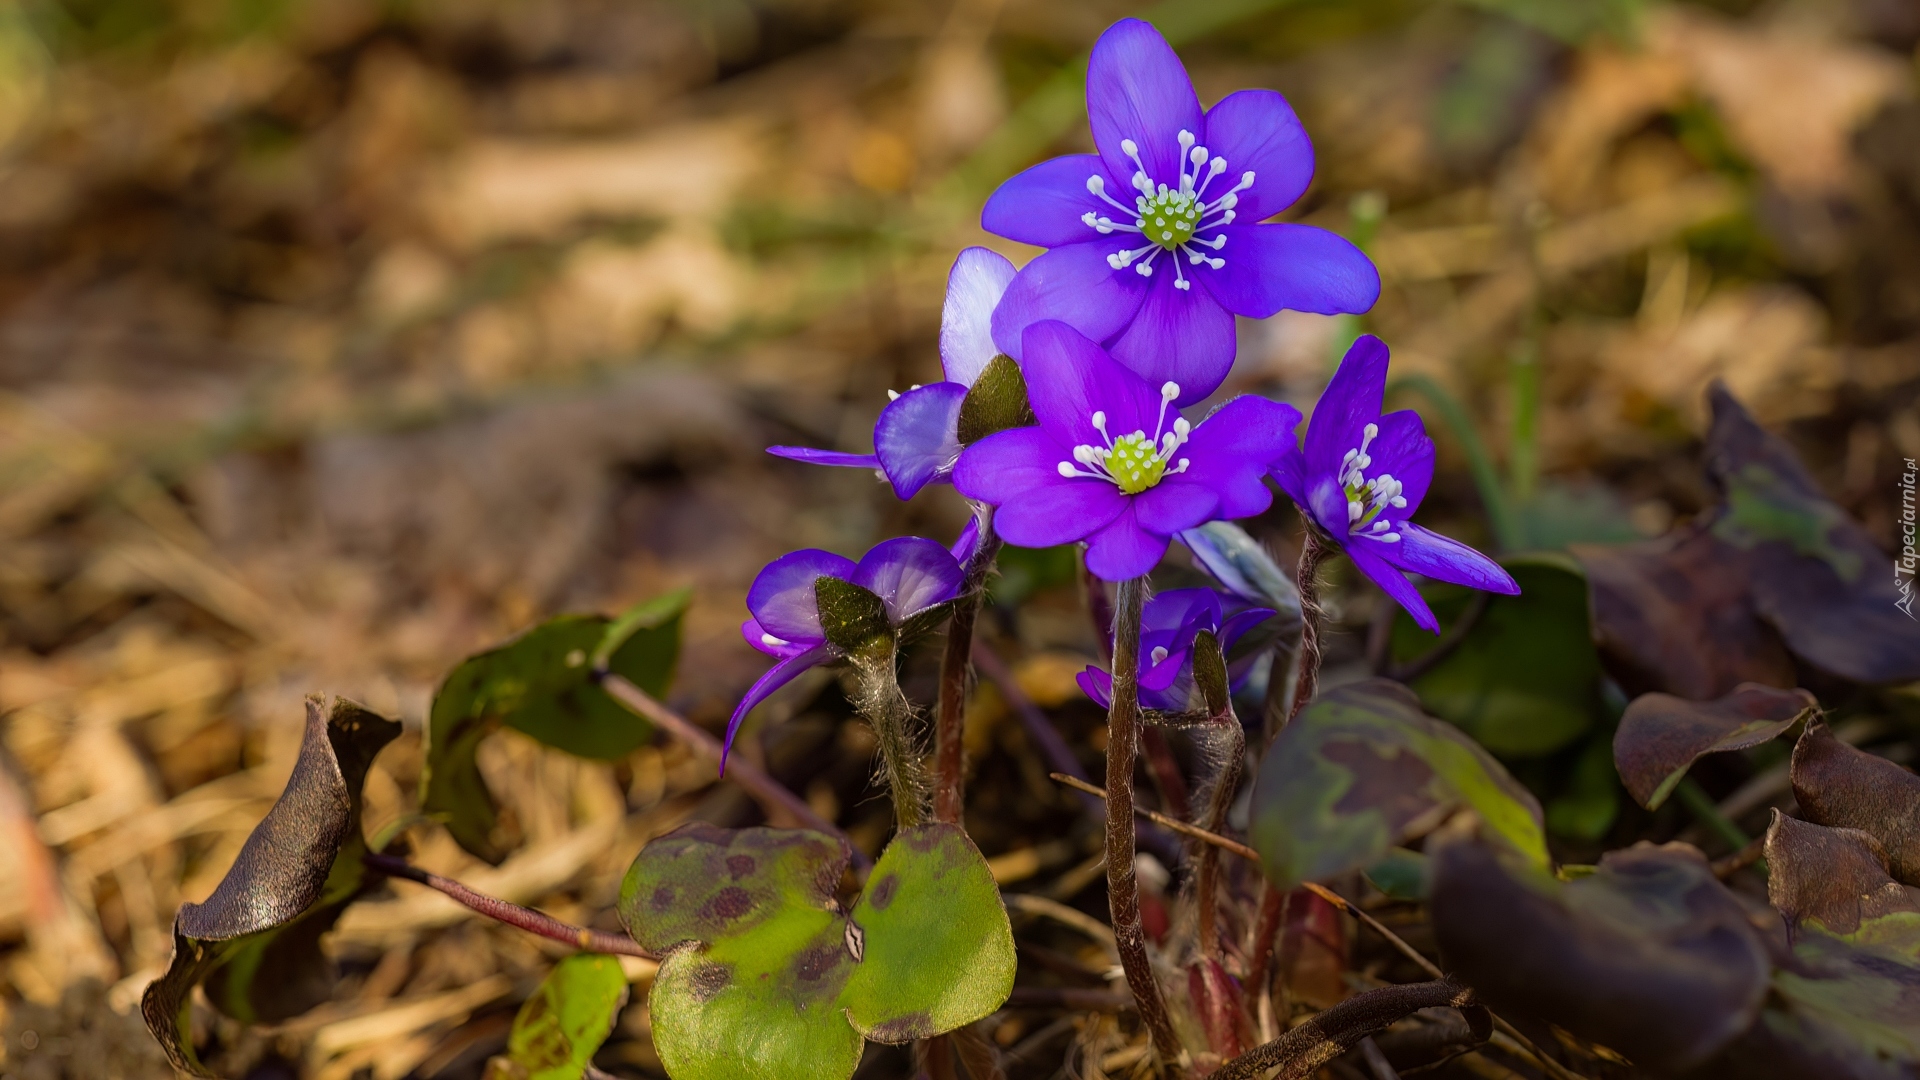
(879, 701)
(956, 675)
(524, 918)
(1301, 1051)
(1123, 891)
(1313, 552)
(1162, 766)
(1225, 729)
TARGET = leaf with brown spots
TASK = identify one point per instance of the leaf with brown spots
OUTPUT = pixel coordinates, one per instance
(1342, 783)
(1661, 736)
(1835, 880)
(767, 976)
(1847, 788)
(255, 942)
(559, 1028)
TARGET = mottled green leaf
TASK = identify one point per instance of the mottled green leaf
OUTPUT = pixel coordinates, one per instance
(1525, 679)
(1341, 784)
(1837, 1012)
(1649, 954)
(254, 942)
(1401, 874)
(542, 684)
(997, 401)
(1847, 788)
(767, 977)
(1661, 736)
(556, 1032)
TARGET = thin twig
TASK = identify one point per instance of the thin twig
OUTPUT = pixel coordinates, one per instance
(771, 793)
(523, 918)
(1332, 1032)
(956, 673)
(1123, 889)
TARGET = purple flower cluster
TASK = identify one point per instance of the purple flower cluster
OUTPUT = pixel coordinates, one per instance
(1168, 627)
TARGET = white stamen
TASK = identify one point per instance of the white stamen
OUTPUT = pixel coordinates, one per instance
(775, 642)
(1159, 652)
(1170, 212)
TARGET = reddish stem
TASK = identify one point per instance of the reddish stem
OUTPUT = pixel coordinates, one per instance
(524, 918)
(956, 674)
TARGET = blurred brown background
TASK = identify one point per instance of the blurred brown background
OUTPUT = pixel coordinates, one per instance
(339, 339)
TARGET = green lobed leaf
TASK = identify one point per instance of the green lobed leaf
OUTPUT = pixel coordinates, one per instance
(767, 978)
(254, 943)
(1340, 785)
(557, 1031)
(1661, 736)
(1525, 680)
(543, 685)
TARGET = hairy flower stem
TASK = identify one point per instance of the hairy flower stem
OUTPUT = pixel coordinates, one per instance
(1123, 891)
(1313, 552)
(956, 677)
(888, 711)
(1161, 764)
(1206, 891)
(523, 918)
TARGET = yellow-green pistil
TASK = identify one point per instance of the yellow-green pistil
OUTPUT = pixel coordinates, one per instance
(1137, 461)
(1169, 218)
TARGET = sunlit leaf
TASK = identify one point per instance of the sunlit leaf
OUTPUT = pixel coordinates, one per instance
(768, 977)
(556, 1032)
(1847, 788)
(1342, 783)
(1661, 736)
(255, 942)
(542, 684)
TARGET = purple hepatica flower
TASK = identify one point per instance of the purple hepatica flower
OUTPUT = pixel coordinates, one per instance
(909, 575)
(917, 438)
(1168, 626)
(1171, 318)
(1361, 477)
(1112, 462)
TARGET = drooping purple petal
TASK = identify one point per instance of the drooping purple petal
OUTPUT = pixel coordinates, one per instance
(909, 574)
(1018, 471)
(1393, 583)
(1290, 472)
(1122, 549)
(974, 286)
(1177, 335)
(1232, 449)
(1044, 205)
(773, 646)
(782, 599)
(1350, 402)
(1163, 674)
(967, 542)
(1297, 267)
(1256, 131)
(825, 457)
(1423, 551)
(1403, 450)
(1098, 685)
(1069, 378)
(917, 436)
(1170, 612)
(1327, 502)
(776, 677)
(1168, 507)
(1137, 89)
(1075, 285)
(1236, 626)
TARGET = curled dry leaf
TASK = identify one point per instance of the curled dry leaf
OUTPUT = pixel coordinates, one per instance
(1836, 880)
(1649, 955)
(1847, 788)
(766, 975)
(255, 942)
(1661, 736)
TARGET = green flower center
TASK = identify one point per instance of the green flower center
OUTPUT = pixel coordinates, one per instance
(1169, 218)
(1135, 463)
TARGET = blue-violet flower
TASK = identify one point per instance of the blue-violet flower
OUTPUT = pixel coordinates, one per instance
(1361, 477)
(1113, 462)
(1168, 624)
(908, 574)
(917, 438)
(1154, 240)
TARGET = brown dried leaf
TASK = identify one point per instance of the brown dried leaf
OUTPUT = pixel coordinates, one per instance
(1661, 736)
(1847, 788)
(1835, 878)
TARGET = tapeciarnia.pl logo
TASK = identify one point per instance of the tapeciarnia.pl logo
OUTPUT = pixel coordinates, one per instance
(1903, 565)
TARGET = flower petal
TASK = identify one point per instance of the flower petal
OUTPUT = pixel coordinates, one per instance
(825, 457)
(1018, 471)
(1122, 549)
(1393, 584)
(1256, 131)
(917, 436)
(1171, 611)
(1178, 335)
(1349, 403)
(967, 542)
(1423, 551)
(781, 597)
(909, 574)
(1162, 675)
(1044, 205)
(1138, 89)
(771, 644)
(1069, 378)
(1174, 506)
(1097, 684)
(1075, 285)
(1236, 625)
(776, 677)
(1233, 448)
(1327, 504)
(1298, 267)
(974, 286)
(1290, 472)
(1403, 450)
